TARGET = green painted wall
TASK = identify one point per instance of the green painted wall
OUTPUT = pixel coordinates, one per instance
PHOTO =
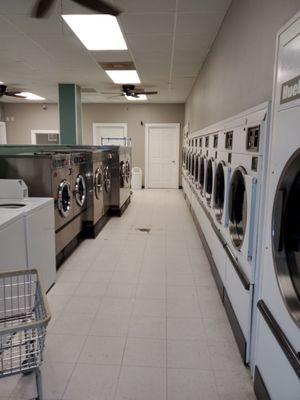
(70, 113)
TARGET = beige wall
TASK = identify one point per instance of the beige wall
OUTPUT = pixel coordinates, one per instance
(32, 116)
(133, 115)
(24, 117)
(238, 71)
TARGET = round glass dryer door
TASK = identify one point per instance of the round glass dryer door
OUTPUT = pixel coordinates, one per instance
(286, 235)
(219, 192)
(64, 198)
(202, 173)
(80, 190)
(238, 207)
(122, 173)
(197, 168)
(127, 171)
(98, 183)
(107, 179)
(209, 181)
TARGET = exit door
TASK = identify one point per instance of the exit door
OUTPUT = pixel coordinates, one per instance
(162, 156)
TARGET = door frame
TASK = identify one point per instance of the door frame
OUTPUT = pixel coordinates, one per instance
(108, 125)
(3, 131)
(164, 125)
(34, 132)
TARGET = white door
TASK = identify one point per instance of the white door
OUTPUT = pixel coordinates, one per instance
(162, 155)
(3, 133)
(109, 134)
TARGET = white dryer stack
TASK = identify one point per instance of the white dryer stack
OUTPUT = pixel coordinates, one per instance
(277, 354)
(27, 235)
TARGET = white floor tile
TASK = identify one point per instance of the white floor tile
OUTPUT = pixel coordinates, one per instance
(102, 350)
(92, 382)
(142, 383)
(191, 384)
(145, 352)
(188, 354)
(148, 327)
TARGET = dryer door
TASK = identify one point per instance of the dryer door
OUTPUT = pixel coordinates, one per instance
(286, 235)
(122, 174)
(197, 169)
(64, 198)
(127, 172)
(242, 210)
(107, 179)
(80, 190)
(98, 183)
(209, 180)
(219, 191)
(202, 175)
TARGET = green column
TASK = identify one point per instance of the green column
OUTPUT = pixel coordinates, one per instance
(70, 113)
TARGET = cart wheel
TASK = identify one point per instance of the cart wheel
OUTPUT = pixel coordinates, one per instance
(24, 363)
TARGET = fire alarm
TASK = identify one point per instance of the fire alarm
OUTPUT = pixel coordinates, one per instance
(44, 106)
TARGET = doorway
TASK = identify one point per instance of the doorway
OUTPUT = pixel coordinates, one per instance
(162, 156)
(39, 136)
(3, 138)
(109, 134)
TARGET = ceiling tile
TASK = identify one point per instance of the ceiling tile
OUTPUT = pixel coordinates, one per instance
(114, 56)
(146, 5)
(203, 6)
(204, 25)
(51, 26)
(191, 42)
(150, 43)
(162, 23)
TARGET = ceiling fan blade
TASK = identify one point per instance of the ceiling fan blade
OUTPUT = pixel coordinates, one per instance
(110, 93)
(14, 94)
(99, 6)
(41, 8)
(150, 93)
(116, 95)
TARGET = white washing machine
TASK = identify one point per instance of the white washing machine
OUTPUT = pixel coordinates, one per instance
(277, 353)
(13, 247)
(248, 169)
(36, 215)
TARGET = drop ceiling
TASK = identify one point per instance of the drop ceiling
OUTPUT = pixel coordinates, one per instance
(168, 40)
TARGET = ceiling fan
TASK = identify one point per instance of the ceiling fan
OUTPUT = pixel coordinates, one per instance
(10, 93)
(131, 91)
(42, 7)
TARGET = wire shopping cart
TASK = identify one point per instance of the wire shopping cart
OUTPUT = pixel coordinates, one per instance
(24, 316)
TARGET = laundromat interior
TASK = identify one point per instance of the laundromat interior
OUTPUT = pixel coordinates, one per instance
(149, 200)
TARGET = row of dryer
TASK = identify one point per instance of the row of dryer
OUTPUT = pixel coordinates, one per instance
(83, 181)
(241, 178)
(223, 172)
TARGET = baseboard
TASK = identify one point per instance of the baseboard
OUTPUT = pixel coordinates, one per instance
(118, 212)
(236, 328)
(260, 389)
(209, 256)
(92, 231)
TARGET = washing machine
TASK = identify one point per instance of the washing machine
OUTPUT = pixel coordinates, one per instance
(277, 353)
(48, 174)
(118, 169)
(39, 231)
(107, 179)
(210, 169)
(248, 142)
(202, 166)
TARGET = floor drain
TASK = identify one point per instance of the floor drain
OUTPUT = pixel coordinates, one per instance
(147, 230)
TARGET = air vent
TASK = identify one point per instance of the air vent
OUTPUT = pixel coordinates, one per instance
(117, 66)
(88, 90)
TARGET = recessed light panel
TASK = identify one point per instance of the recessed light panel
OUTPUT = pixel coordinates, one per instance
(123, 77)
(140, 97)
(30, 96)
(97, 32)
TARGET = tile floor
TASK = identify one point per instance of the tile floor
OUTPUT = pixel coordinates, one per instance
(130, 318)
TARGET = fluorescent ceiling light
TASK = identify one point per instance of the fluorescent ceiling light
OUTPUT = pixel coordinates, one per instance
(30, 96)
(140, 97)
(122, 77)
(97, 32)
(1, 83)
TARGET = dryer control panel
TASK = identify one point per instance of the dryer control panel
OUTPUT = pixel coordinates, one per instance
(253, 134)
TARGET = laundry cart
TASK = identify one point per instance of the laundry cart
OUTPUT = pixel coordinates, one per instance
(24, 316)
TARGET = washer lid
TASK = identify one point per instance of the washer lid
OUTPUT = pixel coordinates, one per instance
(286, 235)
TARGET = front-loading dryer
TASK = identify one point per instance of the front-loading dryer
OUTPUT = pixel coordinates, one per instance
(277, 353)
(247, 141)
